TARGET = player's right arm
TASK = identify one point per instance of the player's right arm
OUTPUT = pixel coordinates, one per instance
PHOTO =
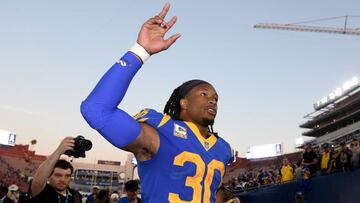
(100, 107)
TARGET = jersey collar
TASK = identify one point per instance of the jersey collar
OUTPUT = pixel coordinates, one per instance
(206, 143)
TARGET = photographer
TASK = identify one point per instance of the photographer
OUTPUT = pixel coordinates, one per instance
(51, 180)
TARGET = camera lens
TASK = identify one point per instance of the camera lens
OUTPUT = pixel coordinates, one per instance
(81, 145)
(84, 144)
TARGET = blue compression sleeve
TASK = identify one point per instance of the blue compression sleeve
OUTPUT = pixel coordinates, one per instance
(100, 107)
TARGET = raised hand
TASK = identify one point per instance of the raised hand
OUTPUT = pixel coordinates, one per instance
(151, 35)
(66, 144)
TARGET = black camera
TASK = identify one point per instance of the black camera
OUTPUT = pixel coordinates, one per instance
(80, 147)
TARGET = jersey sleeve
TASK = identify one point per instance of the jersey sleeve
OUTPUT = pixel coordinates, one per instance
(151, 117)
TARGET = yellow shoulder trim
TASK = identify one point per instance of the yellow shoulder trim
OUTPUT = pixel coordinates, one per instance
(142, 120)
(165, 119)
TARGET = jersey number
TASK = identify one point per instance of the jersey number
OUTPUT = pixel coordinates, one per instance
(195, 181)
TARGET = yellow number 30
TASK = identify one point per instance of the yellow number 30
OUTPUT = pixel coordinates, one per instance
(195, 181)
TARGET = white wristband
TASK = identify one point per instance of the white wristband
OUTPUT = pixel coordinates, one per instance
(140, 52)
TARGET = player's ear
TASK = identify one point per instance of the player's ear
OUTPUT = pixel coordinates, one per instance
(183, 103)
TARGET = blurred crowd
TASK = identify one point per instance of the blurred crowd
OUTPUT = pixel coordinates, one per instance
(130, 193)
(315, 160)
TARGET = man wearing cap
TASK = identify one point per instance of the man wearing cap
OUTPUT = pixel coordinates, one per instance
(14, 193)
(114, 197)
(3, 195)
(91, 198)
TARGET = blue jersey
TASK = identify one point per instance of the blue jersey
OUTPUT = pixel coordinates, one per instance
(187, 167)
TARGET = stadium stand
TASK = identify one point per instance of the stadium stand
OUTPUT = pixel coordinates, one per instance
(335, 124)
(18, 163)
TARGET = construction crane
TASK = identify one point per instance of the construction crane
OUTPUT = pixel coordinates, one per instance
(306, 28)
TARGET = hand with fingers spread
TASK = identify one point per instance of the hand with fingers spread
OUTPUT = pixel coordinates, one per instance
(67, 143)
(152, 33)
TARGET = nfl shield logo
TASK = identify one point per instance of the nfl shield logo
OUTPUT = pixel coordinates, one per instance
(206, 145)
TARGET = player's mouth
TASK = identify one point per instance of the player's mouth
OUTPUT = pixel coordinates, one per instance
(211, 110)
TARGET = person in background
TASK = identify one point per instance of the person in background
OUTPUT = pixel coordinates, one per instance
(298, 170)
(355, 149)
(14, 193)
(91, 198)
(3, 195)
(103, 197)
(299, 197)
(310, 159)
(343, 158)
(114, 197)
(229, 196)
(131, 190)
(317, 149)
(286, 171)
(326, 159)
(52, 179)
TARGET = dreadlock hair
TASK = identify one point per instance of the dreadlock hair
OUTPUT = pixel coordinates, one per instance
(173, 108)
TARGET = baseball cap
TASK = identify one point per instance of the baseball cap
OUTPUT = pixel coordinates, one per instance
(13, 187)
(325, 145)
(114, 196)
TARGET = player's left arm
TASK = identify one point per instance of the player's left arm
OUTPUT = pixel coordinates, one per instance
(220, 190)
(219, 195)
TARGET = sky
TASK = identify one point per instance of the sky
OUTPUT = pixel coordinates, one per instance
(53, 54)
